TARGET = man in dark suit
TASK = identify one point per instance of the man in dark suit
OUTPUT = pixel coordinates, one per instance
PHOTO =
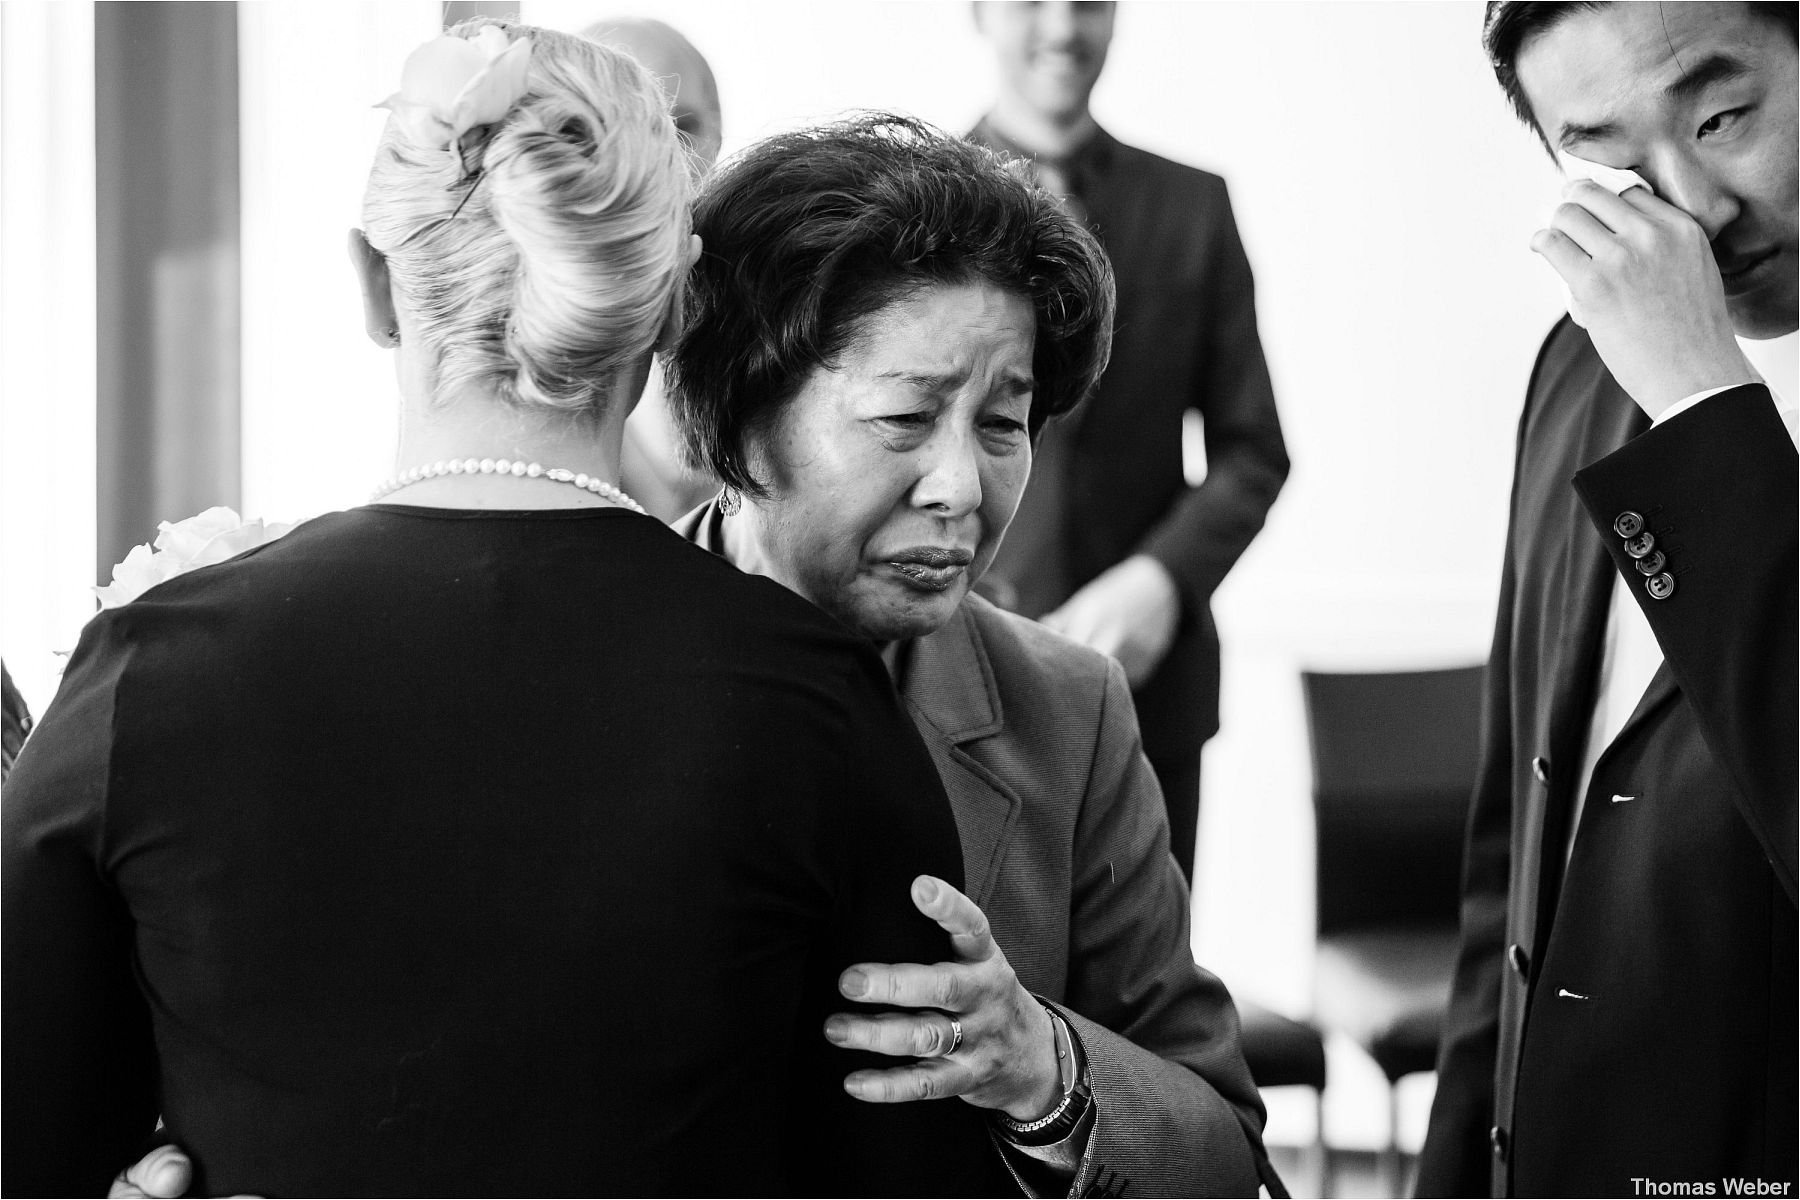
(1624, 1012)
(1111, 545)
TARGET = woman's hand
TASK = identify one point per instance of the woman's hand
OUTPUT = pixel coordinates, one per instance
(1006, 1058)
(164, 1172)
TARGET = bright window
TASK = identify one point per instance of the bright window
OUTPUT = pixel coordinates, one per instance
(47, 332)
(319, 400)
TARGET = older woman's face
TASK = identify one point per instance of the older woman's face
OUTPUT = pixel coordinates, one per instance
(894, 475)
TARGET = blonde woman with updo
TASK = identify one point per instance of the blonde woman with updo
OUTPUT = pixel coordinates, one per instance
(488, 838)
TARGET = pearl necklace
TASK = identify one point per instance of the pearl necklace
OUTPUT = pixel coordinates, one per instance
(501, 466)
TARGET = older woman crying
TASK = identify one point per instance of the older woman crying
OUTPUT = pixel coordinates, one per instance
(882, 322)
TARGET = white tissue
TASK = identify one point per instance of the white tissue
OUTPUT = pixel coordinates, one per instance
(1614, 179)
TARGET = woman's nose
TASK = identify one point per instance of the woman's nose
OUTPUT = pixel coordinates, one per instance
(1698, 188)
(950, 481)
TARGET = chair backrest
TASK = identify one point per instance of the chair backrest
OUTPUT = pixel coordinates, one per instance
(1394, 758)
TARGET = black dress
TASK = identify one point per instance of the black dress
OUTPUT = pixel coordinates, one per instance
(446, 852)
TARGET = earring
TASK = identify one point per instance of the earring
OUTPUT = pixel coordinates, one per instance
(729, 502)
(392, 333)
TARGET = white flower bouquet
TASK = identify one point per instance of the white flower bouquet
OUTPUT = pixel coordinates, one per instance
(200, 541)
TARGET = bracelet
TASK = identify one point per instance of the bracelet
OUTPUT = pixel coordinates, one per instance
(1060, 1121)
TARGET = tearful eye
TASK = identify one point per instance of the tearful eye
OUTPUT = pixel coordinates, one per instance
(1720, 122)
(902, 432)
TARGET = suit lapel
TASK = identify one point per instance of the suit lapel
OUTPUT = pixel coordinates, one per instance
(950, 690)
(1606, 419)
(1661, 689)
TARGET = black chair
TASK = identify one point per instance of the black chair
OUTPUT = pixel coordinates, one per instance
(1283, 1052)
(1394, 761)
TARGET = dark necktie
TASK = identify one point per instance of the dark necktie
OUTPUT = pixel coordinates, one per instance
(1031, 573)
(1058, 177)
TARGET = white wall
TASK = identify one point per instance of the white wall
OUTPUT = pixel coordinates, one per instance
(319, 416)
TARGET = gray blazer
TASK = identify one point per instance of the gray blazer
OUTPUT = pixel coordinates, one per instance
(1066, 849)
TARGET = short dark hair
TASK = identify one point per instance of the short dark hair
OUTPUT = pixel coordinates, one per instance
(808, 234)
(1508, 24)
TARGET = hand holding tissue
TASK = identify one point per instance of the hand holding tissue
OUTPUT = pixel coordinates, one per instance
(1643, 282)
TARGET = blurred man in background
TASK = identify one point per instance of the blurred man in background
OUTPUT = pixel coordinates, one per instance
(652, 468)
(1112, 545)
(1624, 1015)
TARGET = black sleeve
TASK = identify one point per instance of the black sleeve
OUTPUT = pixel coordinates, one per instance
(1210, 526)
(892, 824)
(79, 1065)
(1715, 487)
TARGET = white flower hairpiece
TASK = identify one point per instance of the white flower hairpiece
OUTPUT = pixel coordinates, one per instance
(200, 541)
(450, 85)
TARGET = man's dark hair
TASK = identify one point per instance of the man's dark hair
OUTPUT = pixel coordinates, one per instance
(1509, 24)
(808, 235)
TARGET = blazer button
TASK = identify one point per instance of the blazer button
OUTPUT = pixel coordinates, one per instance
(1521, 962)
(1660, 587)
(1652, 564)
(1640, 545)
(1540, 767)
(1628, 524)
(1497, 1139)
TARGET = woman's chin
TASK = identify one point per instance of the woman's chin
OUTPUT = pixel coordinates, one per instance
(894, 613)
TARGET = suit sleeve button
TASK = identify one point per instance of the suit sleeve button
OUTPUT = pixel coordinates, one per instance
(1652, 564)
(1540, 769)
(1628, 524)
(1660, 587)
(1640, 545)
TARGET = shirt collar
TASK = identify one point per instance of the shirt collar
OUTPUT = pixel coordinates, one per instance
(1775, 361)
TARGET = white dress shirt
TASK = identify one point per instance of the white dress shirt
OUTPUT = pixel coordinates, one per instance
(1629, 654)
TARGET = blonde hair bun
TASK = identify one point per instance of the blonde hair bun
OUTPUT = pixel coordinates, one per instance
(568, 252)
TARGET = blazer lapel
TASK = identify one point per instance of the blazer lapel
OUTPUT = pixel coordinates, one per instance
(949, 688)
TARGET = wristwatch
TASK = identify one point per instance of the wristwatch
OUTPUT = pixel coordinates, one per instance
(1062, 1120)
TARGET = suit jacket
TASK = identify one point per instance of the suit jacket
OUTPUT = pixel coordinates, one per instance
(1066, 848)
(1631, 1014)
(1184, 339)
